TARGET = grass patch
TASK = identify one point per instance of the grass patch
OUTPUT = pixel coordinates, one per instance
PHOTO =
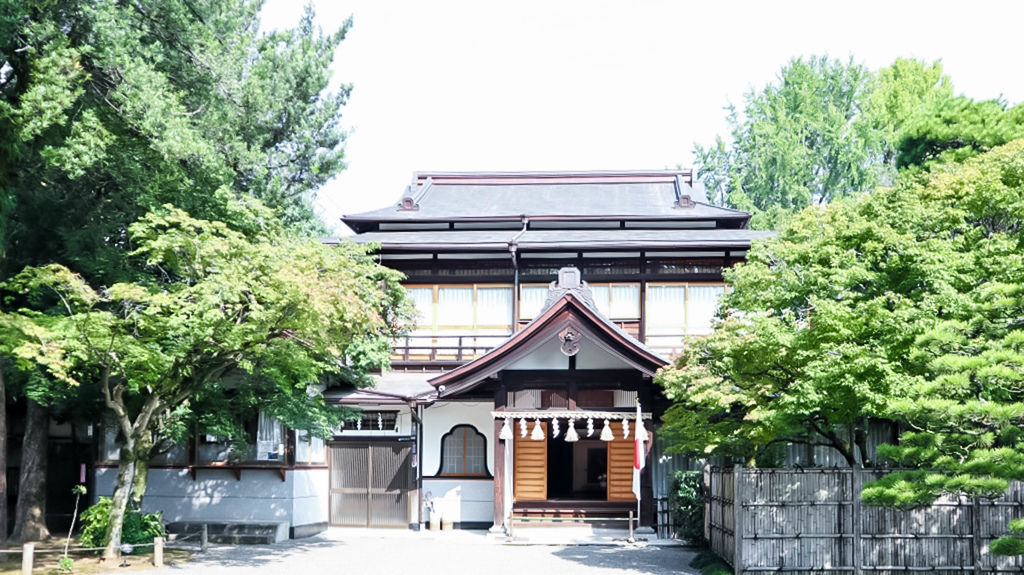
(48, 554)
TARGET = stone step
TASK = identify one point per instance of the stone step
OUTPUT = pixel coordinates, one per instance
(237, 532)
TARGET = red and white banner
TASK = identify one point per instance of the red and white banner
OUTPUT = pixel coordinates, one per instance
(639, 458)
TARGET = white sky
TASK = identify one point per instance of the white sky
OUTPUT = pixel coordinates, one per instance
(590, 84)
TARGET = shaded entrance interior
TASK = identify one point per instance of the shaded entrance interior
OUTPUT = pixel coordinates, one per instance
(578, 470)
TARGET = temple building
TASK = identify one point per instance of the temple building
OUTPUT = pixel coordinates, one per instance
(546, 303)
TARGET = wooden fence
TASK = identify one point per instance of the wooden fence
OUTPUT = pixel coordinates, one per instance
(812, 521)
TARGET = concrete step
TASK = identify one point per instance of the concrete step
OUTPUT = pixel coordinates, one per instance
(235, 532)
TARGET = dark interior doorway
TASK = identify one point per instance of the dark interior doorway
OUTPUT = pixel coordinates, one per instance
(577, 470)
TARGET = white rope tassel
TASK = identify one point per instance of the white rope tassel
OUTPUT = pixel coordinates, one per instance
(625, 429)
(506, 431)
(554, 428)
(522, 427)
(570, 434)
(606, 433)
(590, 426)
(537, 433)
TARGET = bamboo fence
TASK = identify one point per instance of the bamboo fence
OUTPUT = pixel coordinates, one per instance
(812, 521)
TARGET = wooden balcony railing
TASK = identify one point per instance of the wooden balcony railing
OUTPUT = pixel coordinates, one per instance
(450, 350)
(442, 349)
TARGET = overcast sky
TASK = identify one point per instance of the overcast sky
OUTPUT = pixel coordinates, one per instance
(593, 85)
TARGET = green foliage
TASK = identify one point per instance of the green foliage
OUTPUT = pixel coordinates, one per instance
(65, 565)
(1011, 544)
(113, 109)
(954, 128)
(799, 141)
(138, 527)
(222, 324)
(827, 129)
(687, 502)
(905, 305)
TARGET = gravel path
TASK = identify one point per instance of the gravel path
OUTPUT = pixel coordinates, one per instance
(372, 552)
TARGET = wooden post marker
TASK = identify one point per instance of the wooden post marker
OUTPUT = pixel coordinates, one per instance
(27, 550)
(158, 551)
(204, 538)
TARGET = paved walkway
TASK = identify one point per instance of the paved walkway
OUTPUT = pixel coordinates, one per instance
(388, 552)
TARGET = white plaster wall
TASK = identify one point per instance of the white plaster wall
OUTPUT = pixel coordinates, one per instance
(461, 500)
(549, 356)
(593, 357)
(214, 495)
(441, 417)
(310, 488)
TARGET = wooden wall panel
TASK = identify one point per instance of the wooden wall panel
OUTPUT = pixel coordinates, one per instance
(620, 466)
(530, 463)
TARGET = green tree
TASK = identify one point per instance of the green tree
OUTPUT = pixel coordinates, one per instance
(218, 312)
(111, 109)
(898, 93)
(904, 304)
(799, 141)
(954, 128)
(964, 418)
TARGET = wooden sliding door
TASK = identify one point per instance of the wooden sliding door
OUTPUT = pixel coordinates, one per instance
(530, 464)
(620, 466)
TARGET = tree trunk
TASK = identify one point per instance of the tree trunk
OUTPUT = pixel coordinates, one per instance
(30, 512)
(119, 503)
(143, 450)
(3, 458)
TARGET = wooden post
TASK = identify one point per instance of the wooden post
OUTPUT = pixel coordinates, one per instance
(707, 503)
(737, 521)
(499, 476)
(158, 552)
(631, 538)
(204, 537)
(858, 521)
(976, 534)
(27, 550)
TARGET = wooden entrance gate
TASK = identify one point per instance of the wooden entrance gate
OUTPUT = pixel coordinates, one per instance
(370, 483)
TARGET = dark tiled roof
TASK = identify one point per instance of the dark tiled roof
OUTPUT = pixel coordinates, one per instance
(634, 195)
(565, 239)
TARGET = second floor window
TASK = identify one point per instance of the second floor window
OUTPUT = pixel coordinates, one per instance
(675, 310)
(462, 309)
(616, 301)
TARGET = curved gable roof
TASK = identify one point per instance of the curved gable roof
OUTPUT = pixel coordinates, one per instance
(568, 311)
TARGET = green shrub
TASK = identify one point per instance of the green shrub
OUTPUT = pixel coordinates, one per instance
(687, 502)
(138, 527)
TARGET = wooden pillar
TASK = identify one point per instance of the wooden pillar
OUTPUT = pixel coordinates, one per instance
(500, 402)
(499, 478)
